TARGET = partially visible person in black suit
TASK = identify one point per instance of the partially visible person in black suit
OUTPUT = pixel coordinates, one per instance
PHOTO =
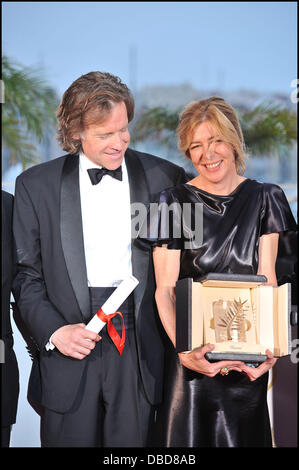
(9, 365)
(72, 226)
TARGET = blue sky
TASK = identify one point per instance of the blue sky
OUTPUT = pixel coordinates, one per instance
(242, 45)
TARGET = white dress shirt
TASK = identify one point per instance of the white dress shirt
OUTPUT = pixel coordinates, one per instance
(106, 221)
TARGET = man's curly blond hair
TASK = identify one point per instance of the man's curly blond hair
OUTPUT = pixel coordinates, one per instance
(88, 101)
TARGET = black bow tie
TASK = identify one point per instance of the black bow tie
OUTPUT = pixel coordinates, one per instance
(96, 174)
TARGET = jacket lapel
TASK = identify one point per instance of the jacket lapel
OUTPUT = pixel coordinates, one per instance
(139, 192)
(72, 232)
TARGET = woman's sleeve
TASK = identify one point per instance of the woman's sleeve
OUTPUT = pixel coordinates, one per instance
(277, 215)
(163, 223)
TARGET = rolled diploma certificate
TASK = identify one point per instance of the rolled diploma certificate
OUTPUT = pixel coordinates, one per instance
(115, 300)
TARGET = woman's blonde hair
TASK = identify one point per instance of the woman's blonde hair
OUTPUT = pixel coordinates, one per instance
(222, 118)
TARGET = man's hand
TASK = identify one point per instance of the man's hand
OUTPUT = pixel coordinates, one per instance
(75, 341)
(195, 360)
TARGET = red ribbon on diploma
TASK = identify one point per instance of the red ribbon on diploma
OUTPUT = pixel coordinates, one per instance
(117, 340)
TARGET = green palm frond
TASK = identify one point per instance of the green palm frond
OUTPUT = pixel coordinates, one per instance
(20, 148)
(28, 111)
(267, 128)
(157, 123)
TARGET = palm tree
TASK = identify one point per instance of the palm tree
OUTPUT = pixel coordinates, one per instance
(267, 128)
(28, 111)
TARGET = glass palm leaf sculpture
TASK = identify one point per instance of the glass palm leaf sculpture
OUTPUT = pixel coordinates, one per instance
(234, 321)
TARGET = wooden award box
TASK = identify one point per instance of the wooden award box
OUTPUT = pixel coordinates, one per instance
(239, 314)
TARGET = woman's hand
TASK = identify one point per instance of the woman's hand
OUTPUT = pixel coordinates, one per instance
(254, 373)
(195, 360)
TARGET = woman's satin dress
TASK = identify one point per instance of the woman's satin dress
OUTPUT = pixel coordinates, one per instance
(223, 411)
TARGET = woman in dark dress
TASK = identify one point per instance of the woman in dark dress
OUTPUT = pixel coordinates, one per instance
(222, 404)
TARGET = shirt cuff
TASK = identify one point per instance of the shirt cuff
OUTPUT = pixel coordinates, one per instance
(50, 346)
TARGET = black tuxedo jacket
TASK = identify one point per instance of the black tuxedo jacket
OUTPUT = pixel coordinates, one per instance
(9, 369)
(51, 287)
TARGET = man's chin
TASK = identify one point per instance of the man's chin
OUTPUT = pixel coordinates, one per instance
(113, 163)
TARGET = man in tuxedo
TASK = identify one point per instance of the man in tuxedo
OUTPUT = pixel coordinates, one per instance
(72, 226)
(9, 366)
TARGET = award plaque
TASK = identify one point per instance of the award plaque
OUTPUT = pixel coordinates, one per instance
(239, 314)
